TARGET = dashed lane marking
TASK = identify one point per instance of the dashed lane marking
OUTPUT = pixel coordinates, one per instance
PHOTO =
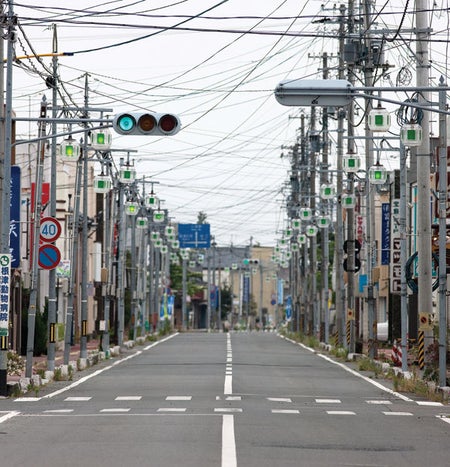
(286, 411)
(115, 410)
(77, 399)
(398, 414)
(279, 399)
(178, 398)
(172, 409)
(340, 412)
(128, 398)
(328, 401)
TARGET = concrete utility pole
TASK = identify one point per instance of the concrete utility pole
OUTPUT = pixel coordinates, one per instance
(5, 163)
(339, 255)
(313, 241)
(52, 318)
(351, 189)
(325, 233)
(36, 220)
(425, 302)
(370, 208)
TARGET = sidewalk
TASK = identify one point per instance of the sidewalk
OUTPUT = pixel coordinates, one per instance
(40, 362)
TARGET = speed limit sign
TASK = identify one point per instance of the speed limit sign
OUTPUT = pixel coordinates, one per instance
(50, 229)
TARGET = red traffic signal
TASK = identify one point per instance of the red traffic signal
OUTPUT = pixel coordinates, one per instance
(146, 123)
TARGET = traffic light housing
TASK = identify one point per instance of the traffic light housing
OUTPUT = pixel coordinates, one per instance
(250, 261)
(146, 123)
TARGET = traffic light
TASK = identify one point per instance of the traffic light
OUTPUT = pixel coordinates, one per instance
(357, 249)
(248, 261)
(146, 123)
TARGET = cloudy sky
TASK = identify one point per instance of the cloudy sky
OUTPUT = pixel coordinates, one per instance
(215, 64)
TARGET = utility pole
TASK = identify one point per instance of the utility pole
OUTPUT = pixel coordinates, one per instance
(340, 292)
(325, 232)
(5, 167)
(370, 208)
(351, 211)
(36, 220)
(313, 140)
(425, 303)
(52, 318)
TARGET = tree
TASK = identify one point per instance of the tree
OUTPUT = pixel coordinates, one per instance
(201, 217)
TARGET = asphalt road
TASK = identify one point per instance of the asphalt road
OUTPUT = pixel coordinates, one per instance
(228, 400)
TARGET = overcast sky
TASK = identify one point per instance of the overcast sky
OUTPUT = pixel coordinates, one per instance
(215, 64)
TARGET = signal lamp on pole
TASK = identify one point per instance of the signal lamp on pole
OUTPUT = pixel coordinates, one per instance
(146, 123)
(377, 174)
(69, 149)
(101, 139)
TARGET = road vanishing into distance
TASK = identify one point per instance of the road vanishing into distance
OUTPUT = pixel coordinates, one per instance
(222, 399)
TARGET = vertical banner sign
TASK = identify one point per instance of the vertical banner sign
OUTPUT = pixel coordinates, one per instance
(395, 248)
(385, 233)
(280, 291)
(14, 225)
(289, 308)
(5, 271)
(246, 289)
(170, 305)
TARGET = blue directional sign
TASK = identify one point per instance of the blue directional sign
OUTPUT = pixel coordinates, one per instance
(194, 235)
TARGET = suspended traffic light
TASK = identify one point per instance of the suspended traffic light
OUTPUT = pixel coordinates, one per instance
(146, 123)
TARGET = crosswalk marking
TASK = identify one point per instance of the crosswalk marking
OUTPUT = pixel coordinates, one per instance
(328, 401)
(340, 412)
(430, 403)
(128, 398)
(399, 414)
(178, 398)
(379, 402)
(286, 411)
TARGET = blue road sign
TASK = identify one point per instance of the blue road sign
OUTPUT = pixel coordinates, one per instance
(194, 235)
(14, 226)
(49, 256)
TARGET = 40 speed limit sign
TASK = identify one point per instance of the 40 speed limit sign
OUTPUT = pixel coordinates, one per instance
(50, 229)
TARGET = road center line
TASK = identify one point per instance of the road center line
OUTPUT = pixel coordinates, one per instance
(228, 442)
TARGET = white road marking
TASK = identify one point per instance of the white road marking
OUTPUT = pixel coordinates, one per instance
(27, 399)
(59, 411)
(85, 378)
(340, 412)
(444, 418)
(8, 415)
(380, 402)
(353, 372)
(172, 409)
(328, 401)
(113, 410)
(128, 398)
(279, 399)
(228, 386)
(286, 411)
(178, 398)
(228, 409)
(399, 414)
(430, 403)
(77, 399)
(228, 442)
(232, 398)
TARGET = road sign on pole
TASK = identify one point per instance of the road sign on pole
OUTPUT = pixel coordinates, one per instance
(50, 229)
(194, 235)
(49, 256)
